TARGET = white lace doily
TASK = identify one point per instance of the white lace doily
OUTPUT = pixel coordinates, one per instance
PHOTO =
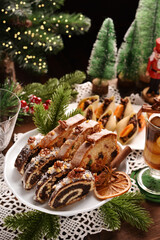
(78, 226)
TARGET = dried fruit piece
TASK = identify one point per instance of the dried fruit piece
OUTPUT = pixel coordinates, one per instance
(126, 130)
(119, 110)
(118, 184)
(141, 122)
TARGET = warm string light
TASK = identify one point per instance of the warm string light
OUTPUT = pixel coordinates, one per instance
(39, 33)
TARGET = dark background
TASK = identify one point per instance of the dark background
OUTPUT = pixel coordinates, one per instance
(77, 50)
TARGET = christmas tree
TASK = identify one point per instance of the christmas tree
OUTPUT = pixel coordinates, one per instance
(31, 30)
(103, 56)
(129, 56)
(144, 33)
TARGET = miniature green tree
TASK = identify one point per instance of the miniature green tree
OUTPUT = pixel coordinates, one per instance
(103, 56)
(33, 29)
(145, 32)
(129, 56)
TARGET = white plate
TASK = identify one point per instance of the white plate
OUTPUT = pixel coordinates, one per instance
(13, 179)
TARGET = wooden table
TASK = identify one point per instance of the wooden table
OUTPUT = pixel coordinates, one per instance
(127, 232)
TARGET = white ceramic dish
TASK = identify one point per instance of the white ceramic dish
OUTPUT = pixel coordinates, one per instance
(13, 179)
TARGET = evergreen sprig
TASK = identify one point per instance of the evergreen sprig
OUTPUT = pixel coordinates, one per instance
(34, 225)
(46, 120)
(126, 207)
(45, 91)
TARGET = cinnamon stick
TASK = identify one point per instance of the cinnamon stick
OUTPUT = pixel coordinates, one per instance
(120, 157)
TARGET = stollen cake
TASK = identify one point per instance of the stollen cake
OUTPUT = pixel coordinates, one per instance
(76, 138)
(38, 166)
(75, 186)
(98, 150)
(28, 151)
(44, 186)
(58, 135)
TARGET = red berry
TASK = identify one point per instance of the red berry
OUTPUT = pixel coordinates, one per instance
(25, 109)
(45, 106)
(38, 100)
(48, 101)
(31, 110)
(32, 98)
(23, 103)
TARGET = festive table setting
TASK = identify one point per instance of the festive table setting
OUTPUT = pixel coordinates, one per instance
(79, 153)
(86, 222)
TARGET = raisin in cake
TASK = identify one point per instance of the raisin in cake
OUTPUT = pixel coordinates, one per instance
(98, 150)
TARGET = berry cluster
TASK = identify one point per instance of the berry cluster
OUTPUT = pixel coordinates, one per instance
(32, 99)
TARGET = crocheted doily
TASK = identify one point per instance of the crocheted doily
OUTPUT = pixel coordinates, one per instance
(80, 225)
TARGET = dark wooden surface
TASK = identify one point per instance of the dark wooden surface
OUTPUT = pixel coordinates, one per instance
(127, 232)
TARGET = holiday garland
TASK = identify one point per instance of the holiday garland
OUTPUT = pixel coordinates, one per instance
(34, 225)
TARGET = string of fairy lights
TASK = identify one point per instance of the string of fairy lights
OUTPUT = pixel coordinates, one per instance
(38, 34)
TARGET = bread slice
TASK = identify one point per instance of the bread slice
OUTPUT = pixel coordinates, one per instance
(58, 135)
(28, 151)
(76, 138)
(74, 187)
(99, 149)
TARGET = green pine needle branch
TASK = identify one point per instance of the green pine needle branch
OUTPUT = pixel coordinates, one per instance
(126, 207)
(34, 225)
(45, 91)
(46, 120)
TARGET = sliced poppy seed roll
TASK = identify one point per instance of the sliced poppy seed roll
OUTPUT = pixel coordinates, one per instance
(78, 183)
(43, 188)
(38, 166)
(28, 151)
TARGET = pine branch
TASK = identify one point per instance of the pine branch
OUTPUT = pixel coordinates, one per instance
(60, 100)
(40, 118)
(46, 120)
(34, 225)
(73, 78)
(127, 207)
(110, 217)
(45, 91)
(74, 112)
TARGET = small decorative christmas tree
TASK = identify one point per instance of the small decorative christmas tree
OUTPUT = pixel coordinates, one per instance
(32, 29)
(129, 56)
(103, 56)
(139, 42)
